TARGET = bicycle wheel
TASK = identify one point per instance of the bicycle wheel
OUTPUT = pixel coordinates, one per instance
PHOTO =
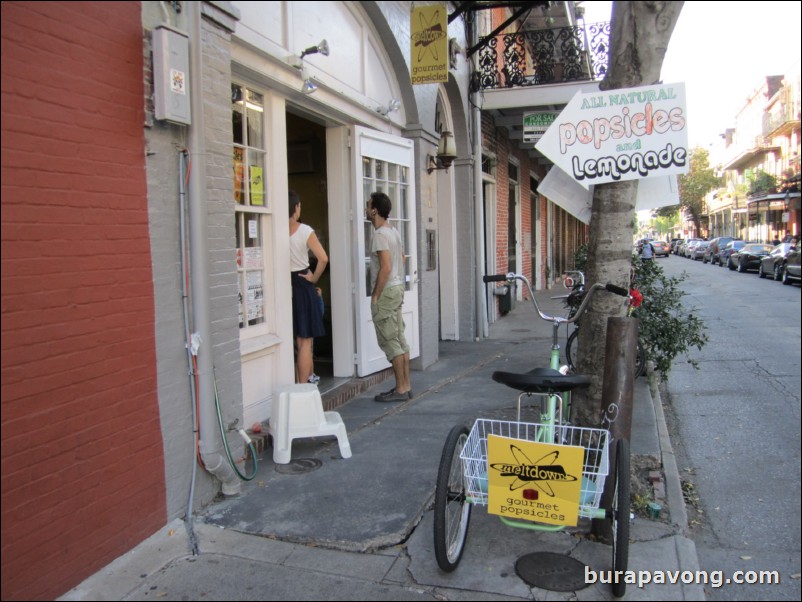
(620, 516)
(640, 354)
(452, 511)
(570, 346)
(640, 360)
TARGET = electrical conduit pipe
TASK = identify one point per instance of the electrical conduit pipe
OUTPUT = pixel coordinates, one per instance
(210, 443)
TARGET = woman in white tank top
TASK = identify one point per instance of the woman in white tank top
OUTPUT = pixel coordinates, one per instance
(307, 319)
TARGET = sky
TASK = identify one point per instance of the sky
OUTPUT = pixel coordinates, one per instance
(722, 51)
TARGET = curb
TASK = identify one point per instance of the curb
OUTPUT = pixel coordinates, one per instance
(676, 501)
(685, 547)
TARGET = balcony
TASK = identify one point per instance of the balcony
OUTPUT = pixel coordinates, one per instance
(782, 116)
(545, 57)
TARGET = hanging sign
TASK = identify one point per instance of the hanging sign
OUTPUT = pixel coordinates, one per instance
(625, 134)
(429, 44)
(532, 481)
(536, 124)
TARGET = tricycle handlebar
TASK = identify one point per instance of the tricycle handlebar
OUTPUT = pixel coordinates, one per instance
(511, 276)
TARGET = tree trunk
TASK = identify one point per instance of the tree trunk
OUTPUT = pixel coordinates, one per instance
(639, 38)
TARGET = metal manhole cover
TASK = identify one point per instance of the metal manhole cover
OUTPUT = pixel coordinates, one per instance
(554, 572)
(299, 466)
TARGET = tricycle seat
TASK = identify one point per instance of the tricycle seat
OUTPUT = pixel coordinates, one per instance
(542, 380)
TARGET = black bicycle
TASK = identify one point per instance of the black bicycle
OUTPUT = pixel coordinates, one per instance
(575, 281)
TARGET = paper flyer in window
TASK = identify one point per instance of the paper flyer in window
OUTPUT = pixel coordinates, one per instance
(257, 186)
(253, 258)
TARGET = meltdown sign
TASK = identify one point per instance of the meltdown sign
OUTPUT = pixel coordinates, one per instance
(429, 44)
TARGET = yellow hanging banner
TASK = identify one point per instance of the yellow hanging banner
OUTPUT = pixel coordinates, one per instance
(537, 482)
(429, 44)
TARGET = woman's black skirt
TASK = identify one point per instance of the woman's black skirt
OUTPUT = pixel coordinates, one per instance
(307, 319)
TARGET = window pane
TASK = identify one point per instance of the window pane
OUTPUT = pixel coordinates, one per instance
(256, 182)
(250, 268)
(237, 113)
(239, 175)
(368, 244)
(255, 305)
(252, 237)
(397, 212)
(249, 158)
(391, 179)
(255, 113)
(406, 231)
(367, 189)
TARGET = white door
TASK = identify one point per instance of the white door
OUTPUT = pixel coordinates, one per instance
(384, 163)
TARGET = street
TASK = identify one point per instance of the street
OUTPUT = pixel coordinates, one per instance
(735, 424)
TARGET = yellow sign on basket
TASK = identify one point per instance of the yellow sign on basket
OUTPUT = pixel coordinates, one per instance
(429, 44)
(537, 482)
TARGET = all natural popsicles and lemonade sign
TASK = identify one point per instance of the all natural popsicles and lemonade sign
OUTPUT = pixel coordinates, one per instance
(429, 44)
(625, 134)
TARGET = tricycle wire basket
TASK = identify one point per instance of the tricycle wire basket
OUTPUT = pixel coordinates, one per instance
(594, 442)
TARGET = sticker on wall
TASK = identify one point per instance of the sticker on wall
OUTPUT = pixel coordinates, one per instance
(178, 81)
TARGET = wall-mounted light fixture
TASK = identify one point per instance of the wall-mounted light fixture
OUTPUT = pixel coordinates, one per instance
(393, 105)
(446, 152)
(308, 87)
(322, 48)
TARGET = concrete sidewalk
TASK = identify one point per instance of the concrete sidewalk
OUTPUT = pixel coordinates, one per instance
(361, 528)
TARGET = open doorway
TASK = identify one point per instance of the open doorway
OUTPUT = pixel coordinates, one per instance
(306, 167)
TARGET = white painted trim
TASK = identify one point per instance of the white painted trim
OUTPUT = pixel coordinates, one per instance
(341, 244)
(447, 255)
(490, 208)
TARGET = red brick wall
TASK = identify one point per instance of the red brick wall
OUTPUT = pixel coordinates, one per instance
(82, 459)
(496, 141)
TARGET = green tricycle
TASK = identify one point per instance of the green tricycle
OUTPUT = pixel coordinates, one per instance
(531, 465)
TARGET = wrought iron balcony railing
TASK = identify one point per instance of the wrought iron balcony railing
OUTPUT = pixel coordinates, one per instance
(546, 56)
(782, 120)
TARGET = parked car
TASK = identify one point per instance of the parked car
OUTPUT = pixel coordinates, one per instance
(731, 247)
(791, 270)
(749, 256)
(774, 263)
(689, 245)
(715, 246)
(660, 248)
(674, 244)
(699, 250)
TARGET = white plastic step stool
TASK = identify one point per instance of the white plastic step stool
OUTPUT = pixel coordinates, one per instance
(298, 413)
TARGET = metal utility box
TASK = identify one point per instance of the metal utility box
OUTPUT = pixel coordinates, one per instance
(506, 295)
(171, 75)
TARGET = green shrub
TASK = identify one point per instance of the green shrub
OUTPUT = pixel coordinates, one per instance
(666, 328)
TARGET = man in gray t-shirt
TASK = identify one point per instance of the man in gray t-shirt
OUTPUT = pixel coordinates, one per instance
(387, 238)
(387, 295)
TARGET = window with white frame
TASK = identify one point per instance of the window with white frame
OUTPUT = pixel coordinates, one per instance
(393, 180)
(252, 207)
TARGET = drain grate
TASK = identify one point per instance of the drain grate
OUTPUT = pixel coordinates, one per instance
(554, 572)
(299, 466)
